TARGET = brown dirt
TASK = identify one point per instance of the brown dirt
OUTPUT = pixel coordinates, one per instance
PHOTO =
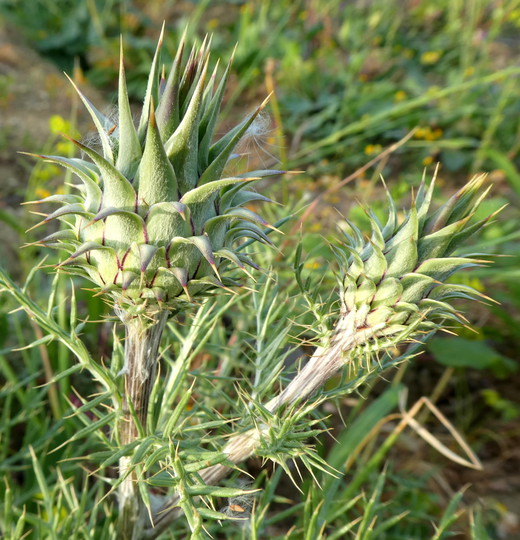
(31, 91)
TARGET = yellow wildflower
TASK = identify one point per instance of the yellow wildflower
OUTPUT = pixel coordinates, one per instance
(514, 17)
(58, 125)
(372, 149)
(421, 132)
(428, 160)
(41, 193)
(64, 147)
(428, 134)
(400, 95)
(430, 57)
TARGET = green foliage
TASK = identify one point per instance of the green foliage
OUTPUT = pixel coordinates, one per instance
(460, 352)
(64, 30)
(356, 76)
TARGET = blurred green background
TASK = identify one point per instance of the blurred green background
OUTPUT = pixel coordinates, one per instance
(349, 79)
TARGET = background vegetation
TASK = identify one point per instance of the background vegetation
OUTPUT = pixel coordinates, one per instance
(350, 79)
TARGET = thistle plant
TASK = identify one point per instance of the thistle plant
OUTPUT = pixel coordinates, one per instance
(158, 227)
(155, 222)
(392, 286)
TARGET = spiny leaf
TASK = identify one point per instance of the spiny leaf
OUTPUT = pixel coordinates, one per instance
(168, 108)
(220, 151)
(84, 171)
(182, 146)
(208, 121)
(201, 199)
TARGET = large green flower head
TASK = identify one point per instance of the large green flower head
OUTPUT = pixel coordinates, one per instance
(155, 221)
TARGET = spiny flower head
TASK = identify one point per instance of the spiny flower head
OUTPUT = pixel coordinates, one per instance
(155, 221)
(393, 285)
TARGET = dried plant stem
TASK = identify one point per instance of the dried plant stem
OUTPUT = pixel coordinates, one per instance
(143, 337)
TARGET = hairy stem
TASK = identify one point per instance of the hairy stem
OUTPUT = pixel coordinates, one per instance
(324, 363)
(143, 337)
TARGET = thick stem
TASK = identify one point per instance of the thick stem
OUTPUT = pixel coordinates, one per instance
(143, 337)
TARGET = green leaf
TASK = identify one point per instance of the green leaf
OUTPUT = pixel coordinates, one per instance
(72, 342)
(388, 292)
(77, 209)
(213, 514)
(402, 258)
(415, 286)
(365, 292)
(376, 265)
(208, 121)
(221, 150)
(450, 516)
(477, 527)
(507, 165)
(441, 269)
(168, 107)
(218, 491)
(182, 146)
(460, 352)
(165, 220)
(200, 199)
(351, 440)
(85, 173)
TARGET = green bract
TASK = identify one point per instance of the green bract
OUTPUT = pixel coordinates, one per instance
(154, 221)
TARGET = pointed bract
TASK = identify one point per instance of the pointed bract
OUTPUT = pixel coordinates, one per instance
(129, 149)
